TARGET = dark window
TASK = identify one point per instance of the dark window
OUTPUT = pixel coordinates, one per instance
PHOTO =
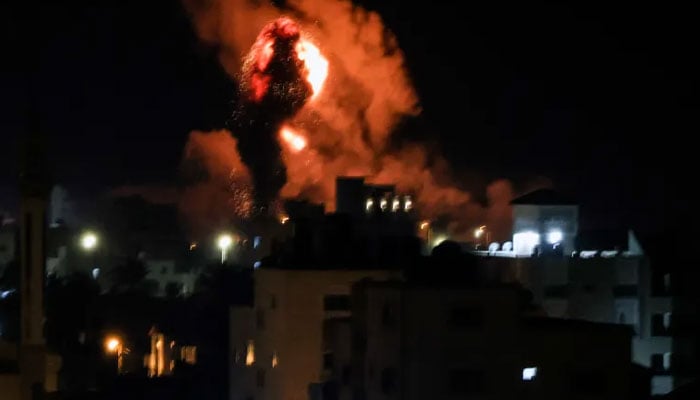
(388, 316)
(358, 393)
(328, 361)
(561, 291)
(660, 325)
(388, 381)
(657, 362)
(625, 290)
(336, 302)
(589, 382)
(260, 378)
(346, 374)
(466, 317)
(261, 319)
(466, 381)
(359, 343)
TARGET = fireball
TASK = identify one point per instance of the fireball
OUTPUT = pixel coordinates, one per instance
(315, 63)
(292, 139)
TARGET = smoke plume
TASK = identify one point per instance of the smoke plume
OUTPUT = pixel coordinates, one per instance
(342, 130)
(219, 190)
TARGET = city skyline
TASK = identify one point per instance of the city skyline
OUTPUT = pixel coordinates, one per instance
(525, 107)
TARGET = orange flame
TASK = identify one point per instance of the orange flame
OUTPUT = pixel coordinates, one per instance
(316, 65)
(295, 141)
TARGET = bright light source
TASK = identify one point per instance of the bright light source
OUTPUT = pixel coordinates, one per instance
(407, 203)
(112, 344)
(368, 205)
(439, 239)
(524, 242)
(224, 242)
(257, 264)
(250, 353)
(383, 204)
(424, 225)
(284, 219)
(478, 233)
(395, 204)
(88, 241)
(95, 273)
(275, 360)
(193, 246)
(529, 373)
(554, 236)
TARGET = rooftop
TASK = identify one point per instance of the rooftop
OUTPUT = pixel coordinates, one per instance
(544, 197)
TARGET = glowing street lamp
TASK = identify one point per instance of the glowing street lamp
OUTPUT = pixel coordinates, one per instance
(113, 345)
(88, 241)
(224, 242)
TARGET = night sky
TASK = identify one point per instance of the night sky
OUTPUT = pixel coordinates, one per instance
(587, 94)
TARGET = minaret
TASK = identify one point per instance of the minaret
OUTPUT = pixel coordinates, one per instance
(34, 188)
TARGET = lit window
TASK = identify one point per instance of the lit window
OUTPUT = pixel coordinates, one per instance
(554, 236)
(369, 204)
(407, 203)
(395, 204)
(529, 373)
(275, 360)
(383, 204)
(188, 354)
(257, 264)
(95, 273)
(256, 241)
(250, 353)
(667, 361)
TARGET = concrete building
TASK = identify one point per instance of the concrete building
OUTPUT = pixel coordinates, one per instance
(544, 220)
(276, 347)
(168, 280)
(416, 342)
(30, 369)
(571, 279)
(8, 244)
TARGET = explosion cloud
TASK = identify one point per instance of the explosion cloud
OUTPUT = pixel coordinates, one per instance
(220, 190)
(321, 96)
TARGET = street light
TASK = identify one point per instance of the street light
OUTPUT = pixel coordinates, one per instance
(479, 232)
(113, 345)
(88, 241)
(224, 242)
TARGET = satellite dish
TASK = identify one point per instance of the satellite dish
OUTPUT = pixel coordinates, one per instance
(507, 246)
(493, 247)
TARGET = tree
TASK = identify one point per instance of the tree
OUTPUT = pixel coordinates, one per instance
(226, 284)
(128, 277)
(173, 289)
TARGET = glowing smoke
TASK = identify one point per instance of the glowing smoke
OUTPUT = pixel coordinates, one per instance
(219, 190)
(345, 128)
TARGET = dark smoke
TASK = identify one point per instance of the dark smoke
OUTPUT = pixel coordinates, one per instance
(272, 90)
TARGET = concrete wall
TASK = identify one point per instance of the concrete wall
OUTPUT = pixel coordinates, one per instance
(289, 315)
(542, 219)
(438, 357)
(9, 386)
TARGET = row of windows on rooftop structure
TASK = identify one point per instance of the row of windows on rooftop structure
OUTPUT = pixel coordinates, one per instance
(383, 203)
